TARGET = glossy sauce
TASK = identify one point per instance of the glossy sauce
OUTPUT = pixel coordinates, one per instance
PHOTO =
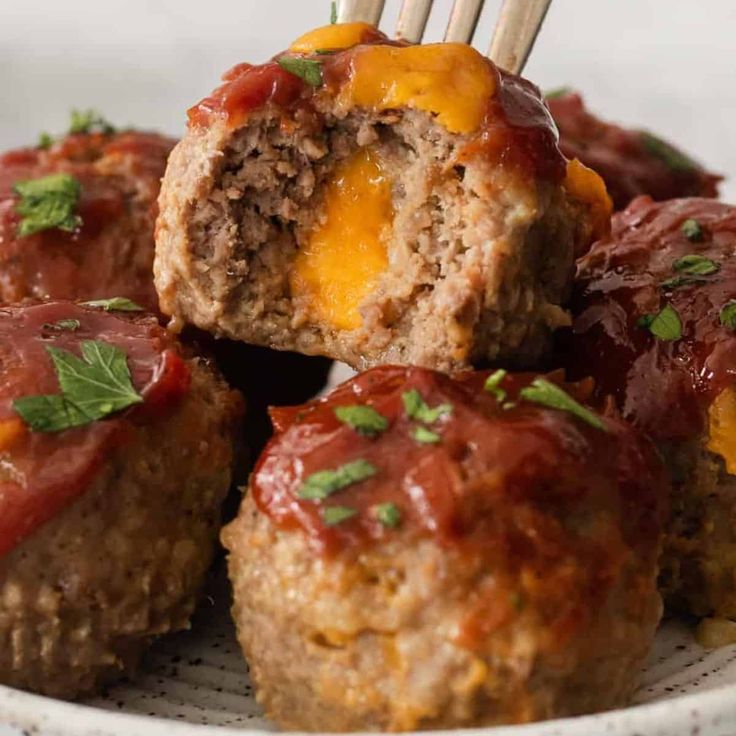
(665, 387)
(41, 473)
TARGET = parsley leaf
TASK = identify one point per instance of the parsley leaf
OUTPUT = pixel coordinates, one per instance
(89, 121)
(91, 388)
(333, 515)
(46, 203)
(695, 265)
(553, 94)
(667, 154)
(324, 483)
(727, 316)
(675, 281)
(542, 391)
(425, 436)
(364, 420)
(493, 384)
(388, 514)
(63, 324)
(692, 230)
(333, 12)
(45, 140)
(116, 304)
(308, 70)
(417, 409)
(665, 325)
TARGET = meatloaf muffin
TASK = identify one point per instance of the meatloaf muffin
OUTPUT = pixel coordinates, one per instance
(374, 202)
(632, 162)
(419, 551)
(113, 466)
(77, 217)
(655, 326)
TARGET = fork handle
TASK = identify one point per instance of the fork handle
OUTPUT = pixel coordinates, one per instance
(368, 11)
(516, 30)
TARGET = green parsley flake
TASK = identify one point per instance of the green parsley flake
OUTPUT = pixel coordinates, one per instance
(695, 265)
(425, 436)
(47, 202)
(116, 304)
(542, 391)
(493, 384)
(553, 94)
(680, 280)
(91, 388)
(309, 70)
(692, 230)
(89, 121)
(667, 154)
(333, 12)
(727, 316)
(417, 409)
(45, 140)
(333, 515)
(665, 325)
(364, 420)
(324, 483)
(388, 514)
(71, 325)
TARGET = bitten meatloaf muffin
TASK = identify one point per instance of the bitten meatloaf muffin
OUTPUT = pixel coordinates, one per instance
(419, 551)
(115, 455)
(632, 162)
(655, 326)
(77, 217)
(374, 202)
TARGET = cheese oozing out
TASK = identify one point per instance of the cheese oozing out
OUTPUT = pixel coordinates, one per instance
(722, 428)
(334, 36)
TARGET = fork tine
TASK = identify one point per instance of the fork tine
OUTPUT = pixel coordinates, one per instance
(369, 11)
(413, 19)
(463, 19)
(516, 30)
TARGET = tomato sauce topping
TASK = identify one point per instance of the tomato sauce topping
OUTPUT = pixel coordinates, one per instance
(41, 473)
(663, 385)
(111, 254)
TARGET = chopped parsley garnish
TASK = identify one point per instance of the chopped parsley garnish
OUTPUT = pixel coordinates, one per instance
(542, 391)
(116, 304)
(45, 140)
(664, 325)
(695, 265)
(46, 203)
(333, 515)
(92, 387)
(416, 408)
(333, 12)
(727, 316)
(493, 384)
(388, 514)
(364, 420)
(89, 121)
(667, 154)
(692, 230)
(324, 483)
(553, 94)
(63, 324)
(680, 280)
(425, 436)
(309, 70)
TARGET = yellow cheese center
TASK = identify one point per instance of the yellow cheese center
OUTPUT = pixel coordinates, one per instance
(587, 186)
(336, 36)
(451, 80)
(346, 253)
(722, 428)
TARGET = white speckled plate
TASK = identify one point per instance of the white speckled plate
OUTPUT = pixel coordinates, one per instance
(196, 684)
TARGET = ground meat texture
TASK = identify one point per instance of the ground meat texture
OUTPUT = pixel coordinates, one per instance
(679, 390)
(111, 253)
(632, 162)
(434, 229)
(503, 571)
(123, 512)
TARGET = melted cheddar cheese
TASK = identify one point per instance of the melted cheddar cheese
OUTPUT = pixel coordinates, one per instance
(722, 428)
(451, 80)
(335, 36)
(587, 186)
(11, 430)
(345, 253)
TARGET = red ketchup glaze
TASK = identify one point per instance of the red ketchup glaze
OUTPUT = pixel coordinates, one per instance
(501, 483)
(664, 387)
(621, 157)
(41, 473)
(111, 254)
(517, 128)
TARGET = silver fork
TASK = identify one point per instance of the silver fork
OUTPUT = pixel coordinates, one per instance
(513, 37)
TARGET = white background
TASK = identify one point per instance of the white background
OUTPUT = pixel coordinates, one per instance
(669, 65)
